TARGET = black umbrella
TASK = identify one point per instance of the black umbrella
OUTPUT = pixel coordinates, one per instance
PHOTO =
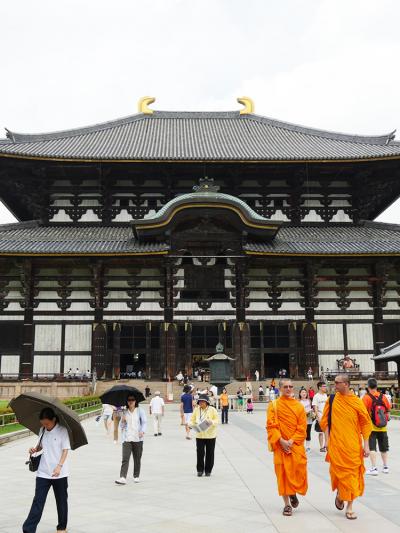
(27, 407)
(118, 395)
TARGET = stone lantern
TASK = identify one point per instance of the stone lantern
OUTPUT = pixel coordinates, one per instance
(220, 368)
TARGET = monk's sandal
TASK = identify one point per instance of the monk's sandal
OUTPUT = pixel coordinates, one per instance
(287, 510)
(294, 501)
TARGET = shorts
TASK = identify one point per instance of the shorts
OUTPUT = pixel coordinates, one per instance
(318, 427)
(383, 441)
(187, 417)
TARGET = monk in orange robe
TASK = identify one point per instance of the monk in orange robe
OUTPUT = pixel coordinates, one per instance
(287, 428)
(346, 449)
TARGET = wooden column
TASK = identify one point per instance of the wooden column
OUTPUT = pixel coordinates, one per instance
(241, 337)
(188, 349)
(293, 359)
(100, 361)
(378, 292)
(28, 292)
(309, 302)
(169, 331)
(116, 353)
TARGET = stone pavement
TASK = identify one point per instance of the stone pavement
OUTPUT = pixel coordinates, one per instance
(240, 496)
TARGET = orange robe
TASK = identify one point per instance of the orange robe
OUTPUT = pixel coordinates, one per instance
(350, 420)
(290, 422)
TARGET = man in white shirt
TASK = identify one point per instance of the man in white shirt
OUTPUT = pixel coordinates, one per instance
(157, 410)
(318, 403)
(52, 472)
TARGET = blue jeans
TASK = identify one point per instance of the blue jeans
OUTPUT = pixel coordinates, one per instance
(60, 488)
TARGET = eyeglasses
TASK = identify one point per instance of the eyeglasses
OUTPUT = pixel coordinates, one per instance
(131, 399)
(288, 386)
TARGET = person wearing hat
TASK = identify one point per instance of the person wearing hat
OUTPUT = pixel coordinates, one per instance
(204, 415)
(157, 410)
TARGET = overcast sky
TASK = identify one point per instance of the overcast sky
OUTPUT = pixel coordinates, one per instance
(333, 64)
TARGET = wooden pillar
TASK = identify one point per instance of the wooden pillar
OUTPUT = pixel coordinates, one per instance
(28, 291)
(116, 350)
(188, 349)
(241, 335)
(100, 362)
(169, 331)
(293, 359)
(310, 342)
(378, 292)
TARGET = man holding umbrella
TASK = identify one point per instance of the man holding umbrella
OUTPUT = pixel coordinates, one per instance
(59, 431)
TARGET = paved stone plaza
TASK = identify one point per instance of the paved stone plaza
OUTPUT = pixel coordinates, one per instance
(240, 496)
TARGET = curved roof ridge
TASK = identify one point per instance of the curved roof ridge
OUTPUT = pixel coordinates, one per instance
(327, 134)
(15, 137)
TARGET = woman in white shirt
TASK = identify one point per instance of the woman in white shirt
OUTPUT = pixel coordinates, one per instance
(133, 425)
(52, 472)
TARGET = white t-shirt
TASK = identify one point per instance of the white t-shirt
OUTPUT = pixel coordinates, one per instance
(53, 444)
(107, 409)
(320, 400)
(132, 429)
(156, 405)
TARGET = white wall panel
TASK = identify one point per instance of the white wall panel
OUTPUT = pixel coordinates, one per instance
(47, 306)
(330, 336)
(360, 337)
(46, 364)
(78, 337)
(9, 364)
(47, 337)
(328, 361)
(82, 362)
(365, 362)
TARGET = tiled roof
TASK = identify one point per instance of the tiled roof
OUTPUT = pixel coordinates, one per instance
(199, 136)
(31, 238)
(369, 238)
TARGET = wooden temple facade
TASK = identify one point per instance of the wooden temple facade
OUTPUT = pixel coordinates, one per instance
(145, 241)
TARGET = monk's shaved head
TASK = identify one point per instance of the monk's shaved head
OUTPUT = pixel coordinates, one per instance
(344, 377)
(283, 381)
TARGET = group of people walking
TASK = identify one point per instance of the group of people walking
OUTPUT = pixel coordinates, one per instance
(349, 430)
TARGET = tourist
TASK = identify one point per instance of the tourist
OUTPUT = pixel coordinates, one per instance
(117, 416)
(257, 375)
(318, 402)
(212, 398)
(389, 397)
(204, 414)
(224, 404)
(378, 407)
(239, 399)
(52, 472)
(179, 377)
(346, 420)
(133, 424)
(310, 374)
(362, 392)
(186, 408)
(156, 409)
(305, 400)
(147, 391)
(271, 393)
(260, 393)
(249, 406)
(311, 393)
(286, 427)
(107, 415)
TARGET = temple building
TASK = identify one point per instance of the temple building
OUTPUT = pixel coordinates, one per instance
(143, 242)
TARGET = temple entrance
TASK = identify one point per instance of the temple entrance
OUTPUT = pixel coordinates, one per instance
(273, 362)
(133, 350)
(201, 369)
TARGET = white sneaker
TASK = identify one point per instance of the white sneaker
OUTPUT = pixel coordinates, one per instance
(121, 481)
(385, 470)
(136, 480)
(372, 472)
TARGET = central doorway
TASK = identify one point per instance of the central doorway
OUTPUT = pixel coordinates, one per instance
(273, 362)
(132, 349)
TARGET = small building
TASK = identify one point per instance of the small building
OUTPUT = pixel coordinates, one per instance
(144, 241)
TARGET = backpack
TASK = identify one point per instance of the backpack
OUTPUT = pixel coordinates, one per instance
(378, 411)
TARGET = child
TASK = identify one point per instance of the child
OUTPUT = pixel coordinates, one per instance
(249, 405)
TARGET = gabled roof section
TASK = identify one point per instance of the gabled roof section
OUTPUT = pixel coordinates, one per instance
(198, 136)
(206, 200)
